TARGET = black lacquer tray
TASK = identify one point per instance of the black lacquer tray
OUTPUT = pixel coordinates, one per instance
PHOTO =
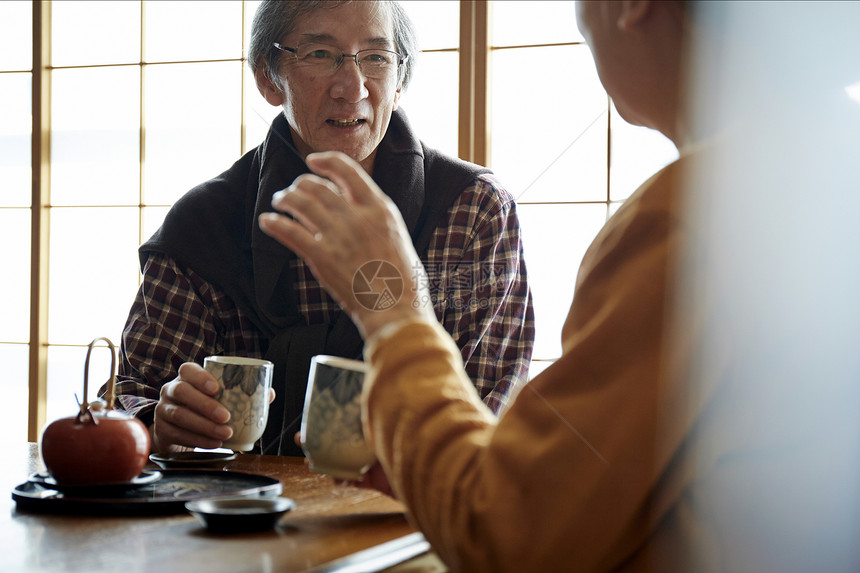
(164, 496)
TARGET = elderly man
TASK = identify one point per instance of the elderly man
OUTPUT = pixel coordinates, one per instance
(619, 456)
(215, 284)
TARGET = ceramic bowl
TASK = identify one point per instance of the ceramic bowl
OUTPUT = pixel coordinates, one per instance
(240, 515)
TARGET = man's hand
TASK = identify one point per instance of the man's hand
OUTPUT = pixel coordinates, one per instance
(188, 415)
(374, 478)
(342, 222)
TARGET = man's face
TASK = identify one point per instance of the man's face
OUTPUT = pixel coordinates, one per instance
(343, 111)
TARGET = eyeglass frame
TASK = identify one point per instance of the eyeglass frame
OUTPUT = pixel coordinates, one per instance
(401, 59)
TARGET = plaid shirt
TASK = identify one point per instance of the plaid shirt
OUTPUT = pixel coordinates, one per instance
(477, 279)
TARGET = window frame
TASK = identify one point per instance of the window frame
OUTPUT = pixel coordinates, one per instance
(474, 124)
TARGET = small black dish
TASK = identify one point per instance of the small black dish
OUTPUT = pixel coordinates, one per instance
(185, 460)
(145, 478)
(240, 514)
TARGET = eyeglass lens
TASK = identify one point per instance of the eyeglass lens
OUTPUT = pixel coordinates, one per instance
(326, 59)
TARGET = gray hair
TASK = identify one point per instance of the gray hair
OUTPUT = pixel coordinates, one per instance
(275, 19)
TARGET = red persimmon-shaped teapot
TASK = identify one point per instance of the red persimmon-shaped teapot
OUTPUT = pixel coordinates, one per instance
(98, 446)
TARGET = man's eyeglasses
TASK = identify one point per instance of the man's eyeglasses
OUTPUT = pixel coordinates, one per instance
(324, 59)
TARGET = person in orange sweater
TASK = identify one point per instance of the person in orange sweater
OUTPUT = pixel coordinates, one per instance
(554, 484)
(602, 461)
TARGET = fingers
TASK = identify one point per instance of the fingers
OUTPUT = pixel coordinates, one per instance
(347, 174)
(341, 196)
(315, 205)
(374, 478)
(188, 414)
(166, 436)
(288, 232)
(362, 194)
(328, 227)
(312, 200)
(199, 379)
(342, 223)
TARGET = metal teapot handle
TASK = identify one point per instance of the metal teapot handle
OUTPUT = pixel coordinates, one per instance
(111, 392)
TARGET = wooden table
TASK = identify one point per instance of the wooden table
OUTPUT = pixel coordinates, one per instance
(329, 522)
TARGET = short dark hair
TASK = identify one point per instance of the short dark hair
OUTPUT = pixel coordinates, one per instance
(275, 19)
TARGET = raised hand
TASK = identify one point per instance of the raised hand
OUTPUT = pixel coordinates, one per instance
(343, 222)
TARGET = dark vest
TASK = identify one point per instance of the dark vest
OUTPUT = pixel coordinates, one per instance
(213, 230)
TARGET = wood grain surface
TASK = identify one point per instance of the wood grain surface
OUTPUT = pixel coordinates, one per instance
(329, 522)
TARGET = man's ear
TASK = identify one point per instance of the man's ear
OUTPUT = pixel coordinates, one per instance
(397, 96)
(632, 13)
(268, 89)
